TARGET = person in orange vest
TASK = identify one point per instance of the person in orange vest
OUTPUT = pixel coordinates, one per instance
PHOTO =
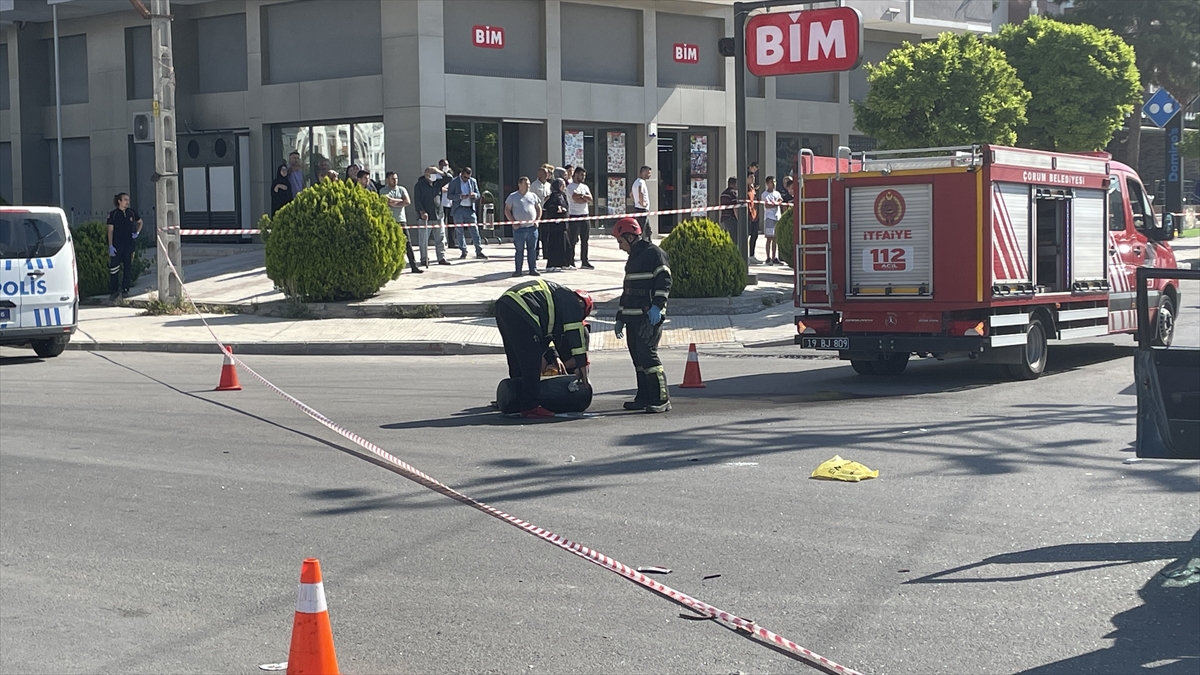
(642, 308)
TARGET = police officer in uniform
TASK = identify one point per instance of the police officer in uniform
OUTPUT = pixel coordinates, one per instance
(643, 304)
(531, 316)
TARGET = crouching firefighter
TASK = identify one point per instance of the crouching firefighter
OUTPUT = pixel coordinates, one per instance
(643, 305)
(531, 316)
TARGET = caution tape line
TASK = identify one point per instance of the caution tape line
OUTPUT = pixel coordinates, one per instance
(421, 478)
(571, 219)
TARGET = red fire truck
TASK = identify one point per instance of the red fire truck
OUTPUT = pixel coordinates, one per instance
(982, 251)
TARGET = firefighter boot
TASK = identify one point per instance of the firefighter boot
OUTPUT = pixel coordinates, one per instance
(656, 385)
(639, 401)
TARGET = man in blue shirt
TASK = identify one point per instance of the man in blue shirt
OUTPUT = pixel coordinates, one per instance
(464, 195)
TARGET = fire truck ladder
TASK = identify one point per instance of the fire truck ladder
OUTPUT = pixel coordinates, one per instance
(813, 262)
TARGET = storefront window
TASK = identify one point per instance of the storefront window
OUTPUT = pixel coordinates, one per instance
(332, 147)
(788, 146)
(603, 153)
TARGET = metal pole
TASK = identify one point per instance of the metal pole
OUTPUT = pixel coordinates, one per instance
(742, 160)
(58, 112)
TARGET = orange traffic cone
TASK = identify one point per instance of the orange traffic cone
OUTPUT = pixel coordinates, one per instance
(311, 652)
(229, 378)
(691, 373)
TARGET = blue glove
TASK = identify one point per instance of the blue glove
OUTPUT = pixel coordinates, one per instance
(656, 316)
(620, 329)
(112, 251)
(135, 235)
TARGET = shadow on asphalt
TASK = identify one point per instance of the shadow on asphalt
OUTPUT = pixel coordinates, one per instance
(19, 360)
(923, 376)
(1162, 635)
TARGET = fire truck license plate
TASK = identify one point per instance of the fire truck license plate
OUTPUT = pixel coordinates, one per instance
(825, 343)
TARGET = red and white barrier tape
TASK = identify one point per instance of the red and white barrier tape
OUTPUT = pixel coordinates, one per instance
(415, 475)
(571, 219)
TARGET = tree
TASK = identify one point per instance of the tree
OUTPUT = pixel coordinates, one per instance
(1165, 34)
(956, 90)
(1082, 78)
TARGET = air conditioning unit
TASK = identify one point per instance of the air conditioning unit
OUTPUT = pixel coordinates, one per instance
(143, 128)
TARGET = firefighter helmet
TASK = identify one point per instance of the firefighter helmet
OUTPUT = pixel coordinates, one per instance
(626, 226)
(587, 301)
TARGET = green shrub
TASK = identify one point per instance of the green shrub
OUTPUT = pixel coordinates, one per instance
(91, 257)
(334, 241)
(785, 238)
(705, 263)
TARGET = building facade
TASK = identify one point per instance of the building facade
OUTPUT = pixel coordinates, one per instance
(396, 85)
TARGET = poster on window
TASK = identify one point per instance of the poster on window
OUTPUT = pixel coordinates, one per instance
(699, 196)
(573, 148)
(699, 163)
(616, 194)
(616, 152)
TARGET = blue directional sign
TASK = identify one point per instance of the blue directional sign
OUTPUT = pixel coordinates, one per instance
(1161, 108)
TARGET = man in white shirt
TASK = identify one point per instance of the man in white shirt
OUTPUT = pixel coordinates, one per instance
(579, 197)
(772, 211)
(541, 185)
(640, 192)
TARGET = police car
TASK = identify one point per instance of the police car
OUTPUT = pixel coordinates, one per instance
(39, 284)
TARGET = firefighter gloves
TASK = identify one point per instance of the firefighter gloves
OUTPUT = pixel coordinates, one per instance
(655, 315)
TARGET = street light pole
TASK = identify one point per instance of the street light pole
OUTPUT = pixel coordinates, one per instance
(58, 130)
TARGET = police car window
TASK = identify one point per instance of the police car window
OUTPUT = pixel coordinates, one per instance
(1117, 220)
(1143, 215)
(26, 235)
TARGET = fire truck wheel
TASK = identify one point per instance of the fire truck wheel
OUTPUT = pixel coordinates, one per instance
(1164, 325)
(893, 364)
(1033, 357)
(863, 367)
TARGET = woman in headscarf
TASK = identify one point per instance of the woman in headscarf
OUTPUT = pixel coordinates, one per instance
(554, 235)
(281, 189)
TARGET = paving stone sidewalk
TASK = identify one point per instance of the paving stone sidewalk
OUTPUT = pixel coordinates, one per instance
(466, 287)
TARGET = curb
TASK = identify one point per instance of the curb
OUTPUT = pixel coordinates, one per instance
(321, 310)
(297, 348)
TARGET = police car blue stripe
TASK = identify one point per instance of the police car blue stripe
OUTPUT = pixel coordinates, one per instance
(28, 264)
(57, 317)
(49, 264)
(7, 265)
(37, 316)
(39, 263)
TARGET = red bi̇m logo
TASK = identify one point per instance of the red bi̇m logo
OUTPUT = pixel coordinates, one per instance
(685, 53)
(491, 37)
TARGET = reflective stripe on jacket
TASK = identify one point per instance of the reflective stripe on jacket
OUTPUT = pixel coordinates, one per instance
(555, 310)
(647, 280)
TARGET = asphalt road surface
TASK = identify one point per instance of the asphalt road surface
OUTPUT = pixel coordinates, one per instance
(150, 525)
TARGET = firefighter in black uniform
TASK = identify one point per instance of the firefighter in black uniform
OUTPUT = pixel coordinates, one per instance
(531, 316)
(643, 304)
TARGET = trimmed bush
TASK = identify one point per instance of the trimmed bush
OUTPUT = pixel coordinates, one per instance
(705, 263)
(91, 258)
(334, 241)
(785, 238)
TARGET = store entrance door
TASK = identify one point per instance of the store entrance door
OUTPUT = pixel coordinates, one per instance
(667, 180)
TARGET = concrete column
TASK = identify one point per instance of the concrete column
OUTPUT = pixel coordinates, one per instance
(261, 162)
(847, 121)
(31, 158)
(648, 148)
(766, 159)
(107, 112)
(554, 128)
(414, 88)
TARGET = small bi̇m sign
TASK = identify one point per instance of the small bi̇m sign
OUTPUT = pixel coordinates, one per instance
(490, 37)
(814, 41)
(686, 53)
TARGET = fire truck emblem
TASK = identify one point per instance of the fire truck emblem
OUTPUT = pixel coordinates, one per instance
(889, 208)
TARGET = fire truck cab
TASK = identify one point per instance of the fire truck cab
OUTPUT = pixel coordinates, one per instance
(981, 251)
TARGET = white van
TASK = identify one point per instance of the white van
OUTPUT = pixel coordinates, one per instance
(39, 284)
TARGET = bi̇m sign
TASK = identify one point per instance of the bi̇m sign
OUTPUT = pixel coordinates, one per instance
(815, 41)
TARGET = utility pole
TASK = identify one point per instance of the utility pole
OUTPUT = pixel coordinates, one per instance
(166, 160)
